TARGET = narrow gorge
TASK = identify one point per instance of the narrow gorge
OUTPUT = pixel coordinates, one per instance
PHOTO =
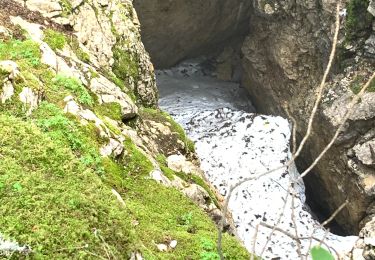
(124, 123)
(278, 51)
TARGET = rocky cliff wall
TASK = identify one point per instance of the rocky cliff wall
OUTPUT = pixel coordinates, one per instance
(284, 59)
(176, 30)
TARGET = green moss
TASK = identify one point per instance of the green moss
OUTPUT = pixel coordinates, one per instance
(84, 141)
(81, 54)
(358, 83)
(67, 8)
(126, 64)
(163, 166)
(25, 53)
(55, 186)
(162, 116)
(53, 202)
(93, 73)
(112, 110)
(3, 76)
(134, 161)
(358, 20)
(75, 86)
(159, 212)
(54, 39)
(189, 178)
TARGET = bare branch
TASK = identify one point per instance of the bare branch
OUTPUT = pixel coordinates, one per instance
(277, 222)
(254, 241)
(295, 225)
(301, 238)
(334, 214)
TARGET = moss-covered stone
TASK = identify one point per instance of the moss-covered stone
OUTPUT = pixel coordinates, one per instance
(73, 85)
(164, 117)
(67, 7)
(54, 39)
(358, 20)
(126, 64)
(25, 53)
(189, 178)
(111, 110)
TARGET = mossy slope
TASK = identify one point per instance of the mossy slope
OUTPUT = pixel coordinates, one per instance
(55, 187)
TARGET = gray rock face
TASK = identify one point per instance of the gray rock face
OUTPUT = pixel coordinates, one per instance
(174, 30)
(284, 59)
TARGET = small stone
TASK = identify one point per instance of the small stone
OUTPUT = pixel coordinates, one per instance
(173, 244)
(10, 67)
(162, 247)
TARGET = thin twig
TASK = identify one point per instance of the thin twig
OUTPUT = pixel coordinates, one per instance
(326, 232)
(310, 243)
(334, 214)
(301, 238)
(254, 241)
(295, 225)
(277, 222)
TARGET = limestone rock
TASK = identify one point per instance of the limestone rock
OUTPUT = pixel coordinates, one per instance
(108, 92)
(7, 247)
(371, 7)
(365, 152)
(30, 99)
(136, 256)
(49, 8)
(365, 247)
(162, 247)
(7, 92)
(101, 27)
(178, 163)
(173, 244)
(370, 45)
(197, 194)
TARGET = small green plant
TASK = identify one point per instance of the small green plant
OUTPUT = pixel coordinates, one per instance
(54, 39)
(319, 253)
(75, 86)
(208, 250)
(64, 130)
(186, 219)
(67, 7)
(26, 52)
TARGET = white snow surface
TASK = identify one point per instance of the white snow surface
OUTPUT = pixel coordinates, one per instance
(233, 143)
